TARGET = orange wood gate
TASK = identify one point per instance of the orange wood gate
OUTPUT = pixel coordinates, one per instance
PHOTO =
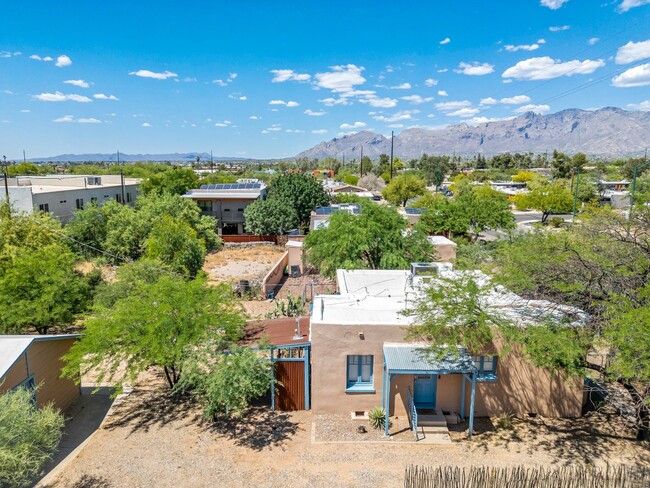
(291, 390)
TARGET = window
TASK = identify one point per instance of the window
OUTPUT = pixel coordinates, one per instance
(80, 203)
(30, 385)
(93, 199)
(128, 198)
(360, 374)
(487, 367)
(205, 205)
(44, 207)
(118, 198)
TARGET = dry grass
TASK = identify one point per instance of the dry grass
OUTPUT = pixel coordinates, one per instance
(241, 263)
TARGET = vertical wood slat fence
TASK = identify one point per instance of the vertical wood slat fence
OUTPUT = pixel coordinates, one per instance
(521, 477)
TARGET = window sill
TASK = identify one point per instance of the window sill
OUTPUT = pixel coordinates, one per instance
(360, 389)
(486, 378)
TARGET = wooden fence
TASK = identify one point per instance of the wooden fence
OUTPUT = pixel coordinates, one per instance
(249, 238)
(521, 477)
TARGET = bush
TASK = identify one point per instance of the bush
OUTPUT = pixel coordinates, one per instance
(28, 437)
(377, 418)
(556, 222)
(504, 421)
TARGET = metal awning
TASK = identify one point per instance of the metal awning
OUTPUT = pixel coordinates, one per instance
(418, 358)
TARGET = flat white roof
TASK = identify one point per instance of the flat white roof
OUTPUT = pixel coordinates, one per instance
(441, 241)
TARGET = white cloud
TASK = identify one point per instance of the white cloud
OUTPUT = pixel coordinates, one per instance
(311, 113)
(401, 115)
(538, 109)
(474, 68)
(290, 103)
(633, 51)
(63, 61)
(379, 102)
(403, 86)
(70, 118)
(60, 97)
(145, 73)
(524, 47)
(224, 123)
(254, 117)
(637, 76)
(416, 99)
(319, 131)
(643, 106)
(628, 4)
(342, 78)
(546, 68)
(220, 82)
(593, 41)
(330, 102)
(516, 100)
(446, 40)
(237, 96)
(146, 124)
(25, 110)
(281, 75)
(273, 128)
(443, 93)
(295, 131)
(464, 112)
(79, 83)
(38, 58)
(395, 126)
(430, 82)
(356, 125)
(553, 4)
(8, 54)
(559, 28)
(443, 70)
(101, 96)
(488, 101)
(485, 120)
(449, 106)
(188, 79)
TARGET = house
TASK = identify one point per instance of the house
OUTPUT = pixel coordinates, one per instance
(30, 361)
(320, 216)
(226, 202)
(361, 358)
(63, 195)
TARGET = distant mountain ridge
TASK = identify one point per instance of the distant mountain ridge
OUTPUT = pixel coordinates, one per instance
(606, 132)
(110, 158)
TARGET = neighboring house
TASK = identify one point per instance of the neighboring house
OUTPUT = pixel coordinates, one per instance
(412, 214)
(30, 361)
(320, 216)
(63, 195)
(361, 359)
(226, 202)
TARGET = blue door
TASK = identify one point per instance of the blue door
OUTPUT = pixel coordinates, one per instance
(424, 390)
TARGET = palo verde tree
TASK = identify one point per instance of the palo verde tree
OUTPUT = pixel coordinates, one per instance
(375, 239)
(28, 437)
(299, 191)
(270, 217)
(156, 326)
(601, 265)
(404, 187)
(548, 198)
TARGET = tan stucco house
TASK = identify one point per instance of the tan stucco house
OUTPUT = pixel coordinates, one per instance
(35, 361)
(361, 359)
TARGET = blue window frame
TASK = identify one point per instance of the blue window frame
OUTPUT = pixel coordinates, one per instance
(30, 385)
(359, 374)
(487, 367)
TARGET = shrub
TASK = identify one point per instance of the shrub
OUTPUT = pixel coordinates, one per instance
(377, 417)
(504, 421)
(28, 437)
(556, 222)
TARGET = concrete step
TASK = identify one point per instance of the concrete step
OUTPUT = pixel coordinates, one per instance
(432, 420)
(434, 438)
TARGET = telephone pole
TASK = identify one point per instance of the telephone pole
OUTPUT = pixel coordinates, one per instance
(121, 178)
(392, 138)
(211, 164)
(24, 159)
(361, 164)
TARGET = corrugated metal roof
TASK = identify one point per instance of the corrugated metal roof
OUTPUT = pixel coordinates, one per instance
(13, 346)
(416, 357)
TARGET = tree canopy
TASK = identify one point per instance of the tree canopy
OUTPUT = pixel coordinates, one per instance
(270, 217)
(175, 182)
(549, 198)
(175, 243)
(375, 239)
(301, 192)
(404, 187)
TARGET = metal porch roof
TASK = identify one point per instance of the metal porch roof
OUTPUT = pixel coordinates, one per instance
(415, 358)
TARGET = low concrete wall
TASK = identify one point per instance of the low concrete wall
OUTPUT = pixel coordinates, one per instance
(275, 276)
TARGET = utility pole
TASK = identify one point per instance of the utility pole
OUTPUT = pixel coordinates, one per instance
(392, 138)
(121, 178)
(24, 159)
(575, 194)
(211, 164)
(4, 168)
(361, 164)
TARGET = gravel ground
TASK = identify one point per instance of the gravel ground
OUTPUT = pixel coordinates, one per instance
(337, 428)
(152, 441)
(241, 263)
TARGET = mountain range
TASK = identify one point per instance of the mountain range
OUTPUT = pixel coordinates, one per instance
(605, 132)
(112, 158)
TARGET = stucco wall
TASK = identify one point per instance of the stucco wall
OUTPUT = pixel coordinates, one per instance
(445, 253)
(45, 364)
(15, 376)
(520, 388)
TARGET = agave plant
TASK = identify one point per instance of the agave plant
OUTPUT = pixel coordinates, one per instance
(377, 417)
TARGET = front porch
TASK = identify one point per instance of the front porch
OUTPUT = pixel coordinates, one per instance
(416, 361)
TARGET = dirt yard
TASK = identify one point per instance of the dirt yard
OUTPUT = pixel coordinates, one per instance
(232, 264)
(151, 441)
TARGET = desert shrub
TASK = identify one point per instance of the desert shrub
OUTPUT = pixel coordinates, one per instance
(504, 421)
(377, 418)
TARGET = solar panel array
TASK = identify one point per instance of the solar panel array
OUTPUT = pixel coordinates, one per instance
(350, 207)
(232, 186)
(414, 211)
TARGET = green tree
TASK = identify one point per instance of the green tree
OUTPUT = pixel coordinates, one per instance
(156, 326)
(89, 227)
(485, 209)
(174, 242)
(548, 198)
(175, 182)
(25, 169)
(375, 239)
(270, 217)
(434, 168)
(404, 187)
(40, 289)
(28, 437)
(301, 192)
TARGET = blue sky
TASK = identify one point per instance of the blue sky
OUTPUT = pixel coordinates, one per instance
(270, 78)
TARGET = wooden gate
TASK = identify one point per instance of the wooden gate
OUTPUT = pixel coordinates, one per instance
(291, 390)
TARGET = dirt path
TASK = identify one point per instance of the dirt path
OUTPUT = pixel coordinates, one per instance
(150, 441)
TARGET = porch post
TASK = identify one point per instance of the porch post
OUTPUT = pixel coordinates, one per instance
(462, 396)
(471, 406)
(307, 382)
(386, 400)
(272, 382)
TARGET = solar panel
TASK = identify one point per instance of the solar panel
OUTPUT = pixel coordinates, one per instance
(203, 187)
(414, 211)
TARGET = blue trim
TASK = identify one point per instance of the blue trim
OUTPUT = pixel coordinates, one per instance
(359, 385)
(272, 382)
(471, 407)
(360, 389)
(307, 378)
